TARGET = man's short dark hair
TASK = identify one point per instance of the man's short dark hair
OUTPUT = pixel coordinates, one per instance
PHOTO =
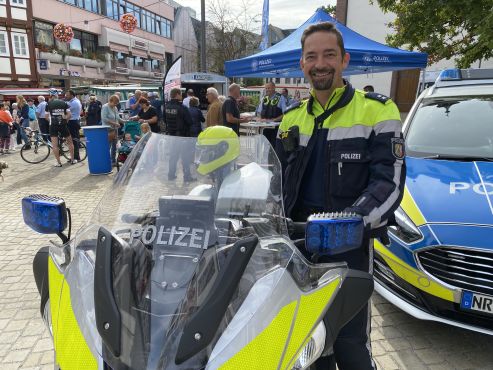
(71, 92)
(328, 27)
(368, 88)
(174, 92)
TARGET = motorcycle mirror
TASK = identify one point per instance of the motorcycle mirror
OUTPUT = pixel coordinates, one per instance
(45, 214)
(333, 233)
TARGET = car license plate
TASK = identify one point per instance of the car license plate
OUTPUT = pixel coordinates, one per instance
(477, 302)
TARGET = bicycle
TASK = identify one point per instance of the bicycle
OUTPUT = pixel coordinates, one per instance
(39, 147)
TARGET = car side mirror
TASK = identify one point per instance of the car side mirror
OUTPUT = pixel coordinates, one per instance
(46, 215)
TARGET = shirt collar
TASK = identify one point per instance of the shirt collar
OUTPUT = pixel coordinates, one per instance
(334, 97)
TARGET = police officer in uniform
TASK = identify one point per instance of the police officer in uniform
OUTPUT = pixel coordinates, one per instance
(271, 109)
(342, 150)
(178, 123)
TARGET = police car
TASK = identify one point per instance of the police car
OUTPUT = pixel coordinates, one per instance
(439, 263)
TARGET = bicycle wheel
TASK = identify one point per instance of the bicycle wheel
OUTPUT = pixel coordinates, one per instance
(66, 152)
(37, 153)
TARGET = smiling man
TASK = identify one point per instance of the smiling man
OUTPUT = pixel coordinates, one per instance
(341, 150)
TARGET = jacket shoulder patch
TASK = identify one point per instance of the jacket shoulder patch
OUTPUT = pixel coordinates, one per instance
(294, 106)
(376, 96)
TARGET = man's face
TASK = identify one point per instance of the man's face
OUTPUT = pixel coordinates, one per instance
(269, 89)
(322, 62)
(284, 92)
(235, 93)
(210, 97)
(68, 96)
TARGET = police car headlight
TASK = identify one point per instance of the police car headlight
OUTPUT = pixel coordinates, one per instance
(405, 229)
(312, 350)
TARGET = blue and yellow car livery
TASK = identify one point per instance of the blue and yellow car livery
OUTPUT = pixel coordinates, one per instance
(439, 264)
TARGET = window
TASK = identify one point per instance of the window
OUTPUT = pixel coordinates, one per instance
(76, 43)
(4, 45)
(43, 36)
(119, 58)
(156, 65)
(89, 43)
(19, 41)
(138, 62)
(21, 3)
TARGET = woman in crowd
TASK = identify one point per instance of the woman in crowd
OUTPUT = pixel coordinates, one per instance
(147, 114)
(5, 127)
(110, 117)
(22, 120)
(197, 117)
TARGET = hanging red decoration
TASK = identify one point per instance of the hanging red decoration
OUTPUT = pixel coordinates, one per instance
(63, 32)
(128, 23)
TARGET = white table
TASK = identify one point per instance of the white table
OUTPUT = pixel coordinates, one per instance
(257, 128)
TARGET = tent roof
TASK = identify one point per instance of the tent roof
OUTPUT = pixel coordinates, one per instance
(367, 56)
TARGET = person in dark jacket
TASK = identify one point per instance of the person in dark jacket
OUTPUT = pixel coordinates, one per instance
(197, 117)
(179, 123)
(93, 116)
(342, 150)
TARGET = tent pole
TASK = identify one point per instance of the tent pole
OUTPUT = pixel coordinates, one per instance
(422, 83)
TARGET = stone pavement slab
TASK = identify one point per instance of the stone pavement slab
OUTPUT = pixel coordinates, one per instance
(399, 341)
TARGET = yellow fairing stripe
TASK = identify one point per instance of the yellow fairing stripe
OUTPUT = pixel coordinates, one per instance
(72, 352)
(265, 351)
(413, 276)
(409, 206)
(309, 312)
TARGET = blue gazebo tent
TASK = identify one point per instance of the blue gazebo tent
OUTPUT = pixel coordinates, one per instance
(283, 58)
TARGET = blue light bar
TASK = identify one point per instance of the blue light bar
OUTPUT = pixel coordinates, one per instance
(450, 75)
(44, 214)
(333, 233)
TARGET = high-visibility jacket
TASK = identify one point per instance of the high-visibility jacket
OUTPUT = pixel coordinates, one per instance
(359, 149)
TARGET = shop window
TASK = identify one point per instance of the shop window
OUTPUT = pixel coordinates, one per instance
(4, 45)
(138, 62)
(155, 65)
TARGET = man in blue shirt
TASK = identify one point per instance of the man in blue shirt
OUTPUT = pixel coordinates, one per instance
(134, 104)
(44, 124)
(74, 122)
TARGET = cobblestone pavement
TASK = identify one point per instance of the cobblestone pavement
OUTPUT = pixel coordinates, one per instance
(399, 341)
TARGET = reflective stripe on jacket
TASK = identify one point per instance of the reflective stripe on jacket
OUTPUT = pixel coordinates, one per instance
(364, 155)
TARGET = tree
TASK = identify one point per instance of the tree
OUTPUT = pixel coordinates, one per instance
(253, 81)
(330, 10)
(229, 33)
(444, 29)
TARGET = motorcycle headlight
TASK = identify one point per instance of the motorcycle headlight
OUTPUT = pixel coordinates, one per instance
(405, 229)
(312, 350)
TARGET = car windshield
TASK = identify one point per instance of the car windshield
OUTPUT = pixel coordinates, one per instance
(459, 127)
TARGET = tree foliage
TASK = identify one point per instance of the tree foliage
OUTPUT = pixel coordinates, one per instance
(230, 33)
(330, 10)
(445, 29)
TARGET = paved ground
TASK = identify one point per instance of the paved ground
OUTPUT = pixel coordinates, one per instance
(399, 341)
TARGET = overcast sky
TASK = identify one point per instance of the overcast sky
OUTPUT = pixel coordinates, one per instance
(282, 13)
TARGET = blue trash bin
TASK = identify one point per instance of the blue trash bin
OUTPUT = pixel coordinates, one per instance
(98, 149)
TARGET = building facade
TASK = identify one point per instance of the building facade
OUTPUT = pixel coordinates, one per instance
(100, 52)
(185, 38)
(17, 63)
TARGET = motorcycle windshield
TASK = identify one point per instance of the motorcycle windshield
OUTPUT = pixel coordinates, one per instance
(199, 258)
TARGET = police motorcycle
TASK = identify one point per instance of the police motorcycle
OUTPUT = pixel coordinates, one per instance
(168, 274)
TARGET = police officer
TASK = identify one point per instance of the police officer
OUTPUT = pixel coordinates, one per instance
(178, 122)
(271, 109)
(345, 151)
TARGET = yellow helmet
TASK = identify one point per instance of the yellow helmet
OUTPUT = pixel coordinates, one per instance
(216, 147)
